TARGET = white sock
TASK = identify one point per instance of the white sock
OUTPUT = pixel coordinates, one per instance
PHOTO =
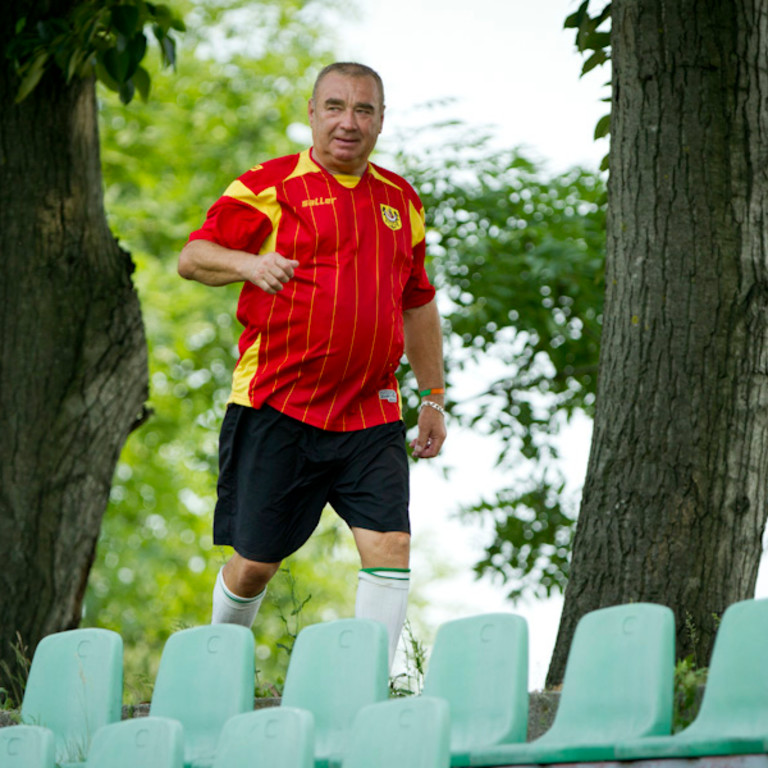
(382, 594)
(229, 608)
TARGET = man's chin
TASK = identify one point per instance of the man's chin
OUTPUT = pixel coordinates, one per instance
(348, 163)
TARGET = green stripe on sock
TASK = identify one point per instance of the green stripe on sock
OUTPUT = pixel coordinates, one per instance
(397, 574)
(244, 600)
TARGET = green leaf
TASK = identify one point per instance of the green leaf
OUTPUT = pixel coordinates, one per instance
(45, 31)
(103, 75)
(575, 20)
(117, 63)
(137, 48)
(168, 47)
(597, 41)
(125, 19)
(595, 60)
(603, 127)
(603, 15)
(165, 19)
(142, 82)
(32, 77)
(127, 91)
(75, 60)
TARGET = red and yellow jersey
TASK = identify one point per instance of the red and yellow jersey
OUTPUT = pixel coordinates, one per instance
(324, 350)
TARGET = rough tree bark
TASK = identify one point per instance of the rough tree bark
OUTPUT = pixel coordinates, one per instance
(73, 364)
(674, 502)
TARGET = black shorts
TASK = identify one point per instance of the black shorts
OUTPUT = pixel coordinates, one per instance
(276, 474)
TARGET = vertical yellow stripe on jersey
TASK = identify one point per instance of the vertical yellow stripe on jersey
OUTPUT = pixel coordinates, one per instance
(377, 272)
(311, 260)
(356, 263)
(334, 300)
(244, 373)
(395, 235)
(289, 330)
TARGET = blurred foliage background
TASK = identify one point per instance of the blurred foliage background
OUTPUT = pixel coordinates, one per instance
(517, 256)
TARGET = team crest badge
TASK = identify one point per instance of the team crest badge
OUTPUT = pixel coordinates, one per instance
(391, 217)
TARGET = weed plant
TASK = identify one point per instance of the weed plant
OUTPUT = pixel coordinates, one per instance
(13, 677)
(410, 682)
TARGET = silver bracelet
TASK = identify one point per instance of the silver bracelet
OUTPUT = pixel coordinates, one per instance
(439, 408)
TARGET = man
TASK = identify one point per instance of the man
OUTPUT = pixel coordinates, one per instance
(330, 251)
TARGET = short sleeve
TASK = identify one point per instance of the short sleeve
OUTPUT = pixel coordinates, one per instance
(418, 290)
(235, 225)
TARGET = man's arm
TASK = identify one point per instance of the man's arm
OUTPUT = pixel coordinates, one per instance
(424, 349)
(213, 264)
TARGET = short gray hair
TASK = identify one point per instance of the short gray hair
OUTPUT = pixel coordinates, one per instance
(351, 69)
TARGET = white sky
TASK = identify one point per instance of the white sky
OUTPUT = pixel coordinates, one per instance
(510, 65)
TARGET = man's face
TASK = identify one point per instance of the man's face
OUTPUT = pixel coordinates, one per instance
(346, 116)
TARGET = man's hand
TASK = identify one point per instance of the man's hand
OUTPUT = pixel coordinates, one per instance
(270, 271)
(431, 435)
(213, 264)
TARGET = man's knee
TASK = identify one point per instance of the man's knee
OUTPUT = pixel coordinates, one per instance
(378, 549)
(248, 578)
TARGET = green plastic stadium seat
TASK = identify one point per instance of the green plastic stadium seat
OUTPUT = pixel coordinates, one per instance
(412, 732)
(148, 742)
(75, 687)
(275, 737)
(336, 669)
(206, 676)
(479, 665)
(618, 685)
(733, 717)
(26, 746)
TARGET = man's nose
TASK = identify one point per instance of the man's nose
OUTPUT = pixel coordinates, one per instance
(349, 120)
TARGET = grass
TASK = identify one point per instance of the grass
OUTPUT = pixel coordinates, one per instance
(14, 676)
(410, 682)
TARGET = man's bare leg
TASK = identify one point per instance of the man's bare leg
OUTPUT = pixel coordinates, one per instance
(382, 588)
(239, 590)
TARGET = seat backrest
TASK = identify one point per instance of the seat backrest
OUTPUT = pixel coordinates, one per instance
(149, 742)
(479, 665)
(26, 746)
(75, 687)
(412, 732)
(275, 737)
(735, 698)
(618, 681)
(336, 668)
(206, 675)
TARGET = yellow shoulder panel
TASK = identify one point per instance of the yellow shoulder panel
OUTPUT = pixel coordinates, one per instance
(265, 202)
(377, 175)
(418, 228)
(305, 165)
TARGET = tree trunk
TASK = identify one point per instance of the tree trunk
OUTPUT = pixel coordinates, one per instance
(73, 363)
(674, 502)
